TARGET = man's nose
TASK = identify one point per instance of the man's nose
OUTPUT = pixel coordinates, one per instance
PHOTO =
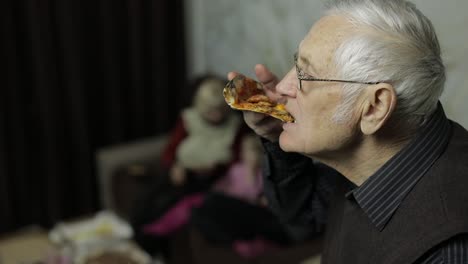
(288, 85)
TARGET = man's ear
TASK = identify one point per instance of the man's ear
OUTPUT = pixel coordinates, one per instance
(377, 106)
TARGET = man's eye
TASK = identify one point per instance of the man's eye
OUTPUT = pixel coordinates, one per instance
(303, 74)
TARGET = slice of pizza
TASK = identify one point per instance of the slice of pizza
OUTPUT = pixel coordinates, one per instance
(243, 93)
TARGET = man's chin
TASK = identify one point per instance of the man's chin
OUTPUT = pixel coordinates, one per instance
(285, 143)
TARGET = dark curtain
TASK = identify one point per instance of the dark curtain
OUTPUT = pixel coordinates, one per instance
(80, 75)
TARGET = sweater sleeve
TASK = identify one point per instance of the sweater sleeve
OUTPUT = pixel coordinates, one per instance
(298, 190)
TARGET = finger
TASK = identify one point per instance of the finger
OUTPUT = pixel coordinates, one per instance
(253, 117)
(272, 125)
(267, 123)
(265, 76)
(231, 75)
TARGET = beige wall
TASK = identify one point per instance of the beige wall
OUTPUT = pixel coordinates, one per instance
(229, 35)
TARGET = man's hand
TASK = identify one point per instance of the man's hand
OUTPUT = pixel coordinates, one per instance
(265, 126)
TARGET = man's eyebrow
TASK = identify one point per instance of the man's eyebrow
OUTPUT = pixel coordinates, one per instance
(306, 62)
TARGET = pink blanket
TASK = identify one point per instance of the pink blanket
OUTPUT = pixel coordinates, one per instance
(176, 217)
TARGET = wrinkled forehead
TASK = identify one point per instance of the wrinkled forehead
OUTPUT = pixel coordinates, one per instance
(322, 40)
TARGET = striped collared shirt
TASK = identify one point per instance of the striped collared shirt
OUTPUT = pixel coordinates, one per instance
(381, 195)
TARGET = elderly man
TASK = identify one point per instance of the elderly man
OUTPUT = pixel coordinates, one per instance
(371, 153)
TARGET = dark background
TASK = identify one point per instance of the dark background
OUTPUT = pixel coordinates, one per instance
(80, 75)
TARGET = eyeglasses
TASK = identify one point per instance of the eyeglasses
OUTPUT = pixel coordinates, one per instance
(302, 76)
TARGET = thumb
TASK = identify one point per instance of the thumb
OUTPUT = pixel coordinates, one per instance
(269, 81)
(265, 76)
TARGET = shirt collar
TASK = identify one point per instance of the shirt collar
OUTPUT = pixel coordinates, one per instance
(381, 194)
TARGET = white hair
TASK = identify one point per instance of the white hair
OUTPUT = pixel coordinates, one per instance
(394, 42)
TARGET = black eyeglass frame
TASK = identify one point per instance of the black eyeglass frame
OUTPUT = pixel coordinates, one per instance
(302, 76)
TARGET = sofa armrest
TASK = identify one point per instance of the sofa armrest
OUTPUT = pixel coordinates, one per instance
(111, 158)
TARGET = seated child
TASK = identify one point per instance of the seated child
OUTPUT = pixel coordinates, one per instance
(234, 213)
(242, 181)
(202, 145)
